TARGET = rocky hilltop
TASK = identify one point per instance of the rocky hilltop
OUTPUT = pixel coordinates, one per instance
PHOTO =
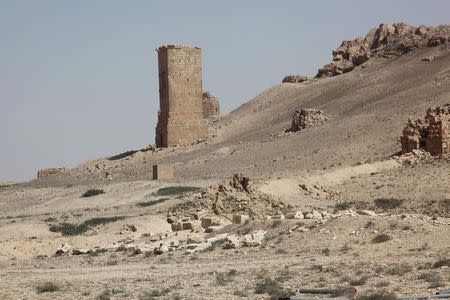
(384, 41)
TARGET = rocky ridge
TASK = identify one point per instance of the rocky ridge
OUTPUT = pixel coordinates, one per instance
(385, 41)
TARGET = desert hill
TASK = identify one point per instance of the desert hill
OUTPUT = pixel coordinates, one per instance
(331, 205)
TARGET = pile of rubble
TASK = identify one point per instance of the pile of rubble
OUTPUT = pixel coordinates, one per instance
(431, 133)
(306, 118)
(239, 196)
(195, 239)
(319, 191)
(295, 79)
(384, 41)
(414, 157)
(44, 173)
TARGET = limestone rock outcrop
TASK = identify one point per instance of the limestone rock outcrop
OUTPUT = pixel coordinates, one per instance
(211, 106)
(431, 133)
(384, 41)
(306, 118)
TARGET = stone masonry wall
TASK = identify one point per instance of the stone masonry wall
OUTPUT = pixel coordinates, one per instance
(431, 133)
(211, 107)
(180, 119)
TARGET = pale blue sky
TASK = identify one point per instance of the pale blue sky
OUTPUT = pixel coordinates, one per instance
(78, 79)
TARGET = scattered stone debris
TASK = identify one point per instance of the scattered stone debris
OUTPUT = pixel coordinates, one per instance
(295, 79)
(428, 58)
(431, 133)
(414, 157)
(63, 249)
(384, 41)
(44, 173)
(319, 191)
(197, 240)
(306, 118)
(239, 196)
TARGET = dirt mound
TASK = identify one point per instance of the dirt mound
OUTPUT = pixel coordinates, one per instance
(237, 196)
(384, 41)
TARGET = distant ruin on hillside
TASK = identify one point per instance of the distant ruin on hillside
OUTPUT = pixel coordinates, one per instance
(431, 133)
(184, 109)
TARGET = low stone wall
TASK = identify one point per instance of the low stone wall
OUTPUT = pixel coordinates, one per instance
(43, 173)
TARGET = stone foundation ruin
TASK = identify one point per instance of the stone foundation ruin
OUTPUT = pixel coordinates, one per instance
(431, 133)
(306, 118)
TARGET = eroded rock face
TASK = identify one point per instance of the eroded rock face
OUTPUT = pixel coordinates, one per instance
(295, 79)
(384, 41)
(211, 106)
(431, 133)
(306, 118)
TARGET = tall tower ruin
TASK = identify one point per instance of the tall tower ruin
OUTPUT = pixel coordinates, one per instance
(180, 119)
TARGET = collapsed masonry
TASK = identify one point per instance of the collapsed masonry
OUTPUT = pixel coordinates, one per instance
(431, 133)
(184, 111)
(384, 41)
(306, 118)
(239, 196)
(44, 173)
(211, 106)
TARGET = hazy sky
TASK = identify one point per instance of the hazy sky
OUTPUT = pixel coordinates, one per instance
(78, 79)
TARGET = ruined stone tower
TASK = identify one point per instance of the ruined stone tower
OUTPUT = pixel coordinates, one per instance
(180, 119)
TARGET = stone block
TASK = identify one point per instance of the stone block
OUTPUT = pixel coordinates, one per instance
(177, 226)
(240, 219)
(163, 171)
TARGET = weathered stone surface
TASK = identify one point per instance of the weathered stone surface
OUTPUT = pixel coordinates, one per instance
(254, 239)
(180, 119)
(172, 219)
(187, 225)
(384, 41)
(211, 106)
(295, 215)
(163, 171)
(294, 79)
(195, 239)
(43, 173)
(63, 249)
(239, 196)
(240, 219)
(163, 248)
(431, 133)
(177, 226)
(307, 118)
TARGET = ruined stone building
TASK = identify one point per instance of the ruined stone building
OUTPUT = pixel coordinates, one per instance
(431, 133)
(182, 118)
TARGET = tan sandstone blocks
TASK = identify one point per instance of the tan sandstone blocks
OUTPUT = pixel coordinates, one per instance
(163, 171)
(431, 133)
(180, 119)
